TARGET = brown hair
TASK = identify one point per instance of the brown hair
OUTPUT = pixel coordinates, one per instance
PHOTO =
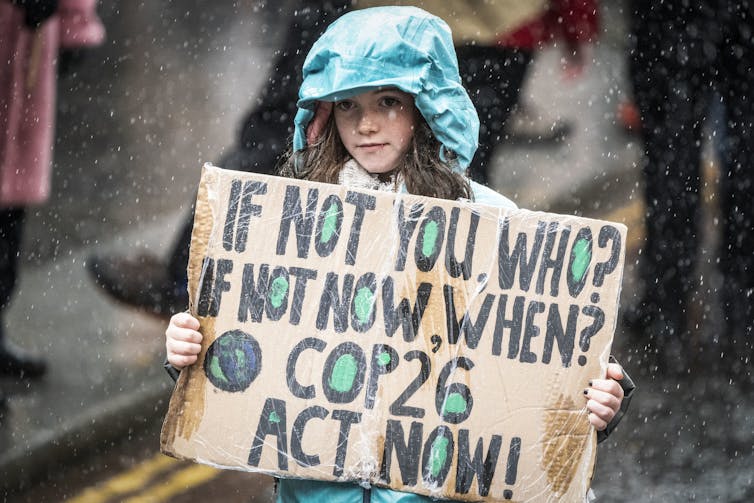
(422, 169)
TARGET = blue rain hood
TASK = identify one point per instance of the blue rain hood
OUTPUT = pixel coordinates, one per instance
(402, 47)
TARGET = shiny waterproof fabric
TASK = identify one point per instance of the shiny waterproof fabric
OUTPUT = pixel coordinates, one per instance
(402, 47)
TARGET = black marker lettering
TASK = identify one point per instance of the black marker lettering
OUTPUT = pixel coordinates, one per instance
(548, 262)
(297, 452)
(530, 331)
(271, 422)
(467, 468)
(403, 315)
(508, 263)
(452, 265)
(303, 220)
(565, 337)
(407, 453)
(346, 418)
(362, 202)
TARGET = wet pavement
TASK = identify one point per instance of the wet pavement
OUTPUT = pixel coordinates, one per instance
(167, 91)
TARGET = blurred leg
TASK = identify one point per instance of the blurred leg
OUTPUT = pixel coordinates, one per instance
(13, 362)
(672, 98)
(737, 184)
(11, 226)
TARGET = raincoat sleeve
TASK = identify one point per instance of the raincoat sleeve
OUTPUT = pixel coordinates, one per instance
(173, 372)
(485, 195)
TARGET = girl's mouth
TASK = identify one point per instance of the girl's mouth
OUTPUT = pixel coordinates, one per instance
(371, 147)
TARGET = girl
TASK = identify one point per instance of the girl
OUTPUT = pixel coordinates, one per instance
(382, 107)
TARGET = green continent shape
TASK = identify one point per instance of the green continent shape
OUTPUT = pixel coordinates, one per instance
(583, 256)
(364, 300)
(329, 222)
(430, 239)
(438, 455)
(455, 403)
(278, 289)
(214, 367)
(343, 373)
(240, 360)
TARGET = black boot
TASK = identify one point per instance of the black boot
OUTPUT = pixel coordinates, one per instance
(142, 282)
(3, 407)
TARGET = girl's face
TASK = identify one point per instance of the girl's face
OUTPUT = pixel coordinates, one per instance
(376, 127)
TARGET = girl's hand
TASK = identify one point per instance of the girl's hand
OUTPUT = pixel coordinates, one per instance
(182, 341)
(604, 397)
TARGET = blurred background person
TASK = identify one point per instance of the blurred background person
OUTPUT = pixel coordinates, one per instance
(683, 55)
(32, 32)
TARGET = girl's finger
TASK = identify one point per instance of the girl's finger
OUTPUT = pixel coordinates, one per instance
(608, 386)
(180, 361)
(614, 371)
(185, 320)
(183, 348)
(184, 334)
(598, 423)
(600, 410)
(604, 398)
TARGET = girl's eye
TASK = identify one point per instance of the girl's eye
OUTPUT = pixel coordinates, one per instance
(389, 101)
(344, 105)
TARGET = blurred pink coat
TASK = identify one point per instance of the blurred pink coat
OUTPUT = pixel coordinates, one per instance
(28, 71)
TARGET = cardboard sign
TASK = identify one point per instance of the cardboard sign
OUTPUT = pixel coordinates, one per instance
(430, 346)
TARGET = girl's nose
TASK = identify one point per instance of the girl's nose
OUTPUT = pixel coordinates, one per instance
(367, 123)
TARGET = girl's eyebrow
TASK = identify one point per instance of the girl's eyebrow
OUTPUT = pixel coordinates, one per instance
(383, 91)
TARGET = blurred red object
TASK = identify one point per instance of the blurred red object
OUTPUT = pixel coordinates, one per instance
(628, 116)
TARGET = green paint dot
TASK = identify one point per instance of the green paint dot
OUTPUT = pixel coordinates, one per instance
(278, 289)
(274, 418)
(455, 404)
(363, 302)
(240, 358)
(438, 455)
(430, 238)
(383, 359)
(216, 370)
(582, 256)
(343, 373)
(329, 223)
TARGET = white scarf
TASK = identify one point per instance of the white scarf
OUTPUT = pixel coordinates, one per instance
(353, 175)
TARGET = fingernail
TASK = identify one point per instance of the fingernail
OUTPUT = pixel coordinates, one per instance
(586, 391)
(590, 384)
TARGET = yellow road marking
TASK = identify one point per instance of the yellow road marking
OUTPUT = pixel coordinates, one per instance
(129, 481)
(178, 483)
